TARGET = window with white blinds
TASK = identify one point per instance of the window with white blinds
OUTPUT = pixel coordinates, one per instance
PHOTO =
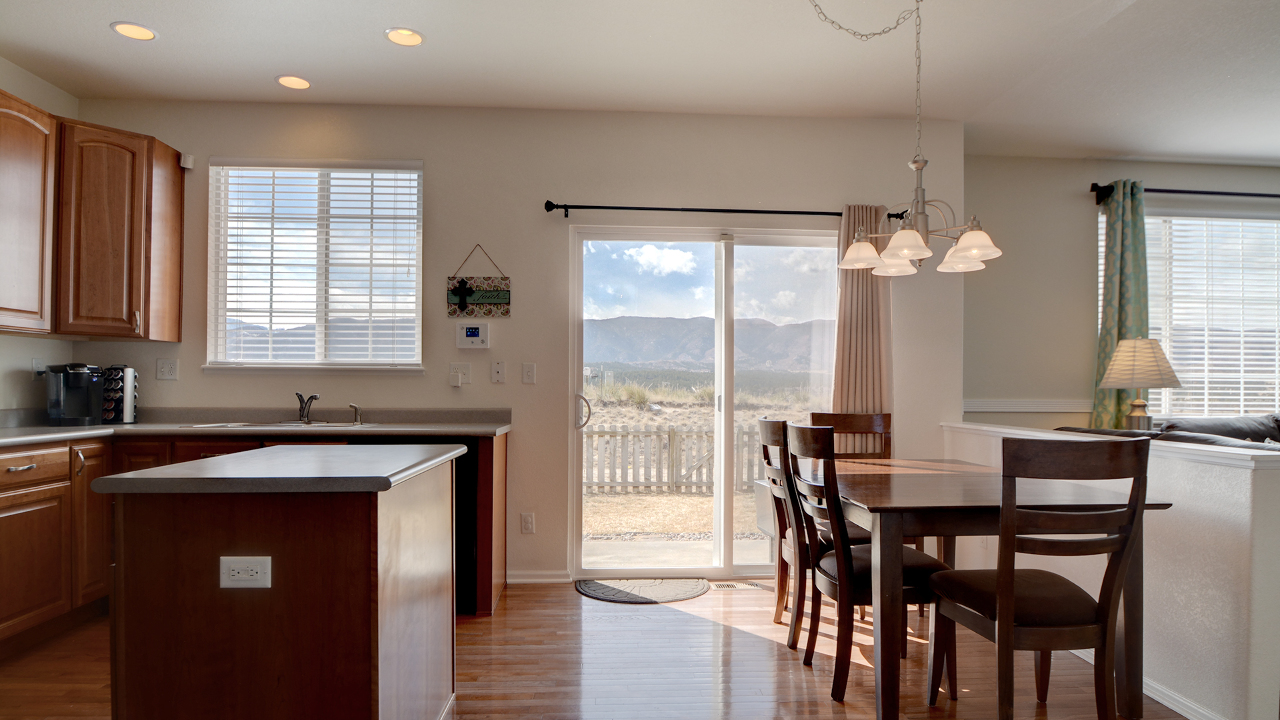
(314, 266)
(1215, 308)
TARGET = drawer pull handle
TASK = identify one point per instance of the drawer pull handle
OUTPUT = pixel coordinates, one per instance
(204, 456)
(137, 321)
(32, 466)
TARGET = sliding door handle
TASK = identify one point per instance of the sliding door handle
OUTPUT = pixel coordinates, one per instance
(587, 419)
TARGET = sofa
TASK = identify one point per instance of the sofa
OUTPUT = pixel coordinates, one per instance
(1247, 432)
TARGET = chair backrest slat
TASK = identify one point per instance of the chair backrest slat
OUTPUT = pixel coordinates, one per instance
(812, 450)
(1083, 546)
(1031, 522)
(878, 426)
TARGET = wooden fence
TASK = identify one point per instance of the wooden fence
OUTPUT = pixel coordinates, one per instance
(650, 459)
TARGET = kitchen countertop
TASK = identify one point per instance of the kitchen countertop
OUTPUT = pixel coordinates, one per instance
(288, 469)
(28, 435)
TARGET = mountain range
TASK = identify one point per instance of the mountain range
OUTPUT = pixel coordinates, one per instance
(689, 343)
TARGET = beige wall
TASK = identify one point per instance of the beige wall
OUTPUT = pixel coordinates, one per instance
(1031, 316)
(487, 173)
(16, 81)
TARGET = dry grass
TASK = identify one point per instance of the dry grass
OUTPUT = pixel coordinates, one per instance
(661, 514)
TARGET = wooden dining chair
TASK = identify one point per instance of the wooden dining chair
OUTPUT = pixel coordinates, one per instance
(792, 557)
(842, 573)
(1038, 610)
(873, 434)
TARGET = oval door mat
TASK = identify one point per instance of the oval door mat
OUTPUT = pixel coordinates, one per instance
(643, 592)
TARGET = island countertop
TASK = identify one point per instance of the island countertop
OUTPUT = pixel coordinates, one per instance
(288, 469)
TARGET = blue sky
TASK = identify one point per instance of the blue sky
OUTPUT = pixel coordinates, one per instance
(653, 279)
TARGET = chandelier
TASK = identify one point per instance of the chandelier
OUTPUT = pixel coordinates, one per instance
(909, 242)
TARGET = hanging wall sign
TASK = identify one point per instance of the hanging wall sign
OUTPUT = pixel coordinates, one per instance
(472, 296)
(479, 297)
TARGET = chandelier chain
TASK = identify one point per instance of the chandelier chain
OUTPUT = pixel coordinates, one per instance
(867, 36)
(917, 13)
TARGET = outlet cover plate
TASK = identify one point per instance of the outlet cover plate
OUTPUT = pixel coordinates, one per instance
(526, 524)
(166, 369)
(244, 572)
(463, 369)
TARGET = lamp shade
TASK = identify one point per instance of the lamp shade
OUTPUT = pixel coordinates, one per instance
(894, 267)
(907, 244)
(861, 255)
(1139, 363)
(976, 245)
(952, 264)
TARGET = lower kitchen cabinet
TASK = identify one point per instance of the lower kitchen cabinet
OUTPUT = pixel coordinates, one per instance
(35, 556)
(133, 455)
(184, 450)
(92, 523)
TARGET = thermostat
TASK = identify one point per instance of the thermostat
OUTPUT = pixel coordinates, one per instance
(473, 335)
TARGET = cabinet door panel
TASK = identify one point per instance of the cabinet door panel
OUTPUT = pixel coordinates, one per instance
(140, 455)
(93, 522)
(35, 556)
(102, 232)
(28, 148)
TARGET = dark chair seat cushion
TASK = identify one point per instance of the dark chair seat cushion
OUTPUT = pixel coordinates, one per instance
(857, 535)
(1041, 598)
(917, 567)
(1245, 427)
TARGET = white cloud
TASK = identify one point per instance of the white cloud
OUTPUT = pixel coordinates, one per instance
(784, 299)
(593, 311)
(700, 292)
(663, 261)
(811, 260)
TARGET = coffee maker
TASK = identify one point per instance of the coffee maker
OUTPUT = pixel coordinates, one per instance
(74, 394)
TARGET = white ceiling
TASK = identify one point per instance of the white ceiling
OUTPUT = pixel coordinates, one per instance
(1162, 79)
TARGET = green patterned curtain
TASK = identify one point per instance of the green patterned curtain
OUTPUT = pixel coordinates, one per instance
(1124, 296)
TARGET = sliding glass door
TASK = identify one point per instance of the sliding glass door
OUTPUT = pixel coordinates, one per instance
(665, 479)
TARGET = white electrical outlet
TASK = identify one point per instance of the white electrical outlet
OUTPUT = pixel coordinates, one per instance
(167, 369)
(244, 572)
(526, 523)
(463, 370)
(498, 372)
(37, 364)
(529, 374)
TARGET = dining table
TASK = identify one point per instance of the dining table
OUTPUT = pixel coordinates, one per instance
(947, 499)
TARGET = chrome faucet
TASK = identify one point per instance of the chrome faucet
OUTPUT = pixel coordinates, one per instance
(304, 408)
(355, 407)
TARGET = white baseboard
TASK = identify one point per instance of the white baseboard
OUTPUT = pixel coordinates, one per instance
(1166, 697)
(979, 405)
(538, 577)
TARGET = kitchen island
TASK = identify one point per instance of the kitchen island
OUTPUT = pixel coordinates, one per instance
(356, 616)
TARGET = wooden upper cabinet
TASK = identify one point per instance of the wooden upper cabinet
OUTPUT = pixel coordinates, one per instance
(28, 150)
(119, 235)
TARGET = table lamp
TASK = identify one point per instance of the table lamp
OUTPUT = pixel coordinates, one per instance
(1138, 364)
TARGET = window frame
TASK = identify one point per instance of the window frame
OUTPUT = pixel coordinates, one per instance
(216, 312)
(1161, 214)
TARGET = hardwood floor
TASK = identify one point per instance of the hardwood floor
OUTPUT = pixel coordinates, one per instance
(552, 654)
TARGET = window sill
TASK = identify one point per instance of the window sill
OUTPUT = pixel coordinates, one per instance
(310, 369)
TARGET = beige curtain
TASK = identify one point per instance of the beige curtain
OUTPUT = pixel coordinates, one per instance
(863, 380)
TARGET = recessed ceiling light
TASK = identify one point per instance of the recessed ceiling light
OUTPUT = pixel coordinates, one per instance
(294, 82)
(133, 31)
(404, 36)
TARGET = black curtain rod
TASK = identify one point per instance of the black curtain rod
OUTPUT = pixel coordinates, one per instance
(1102, 192)
(550, 206)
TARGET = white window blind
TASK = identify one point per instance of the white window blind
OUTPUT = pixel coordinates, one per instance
(314, 266)
(1215, 308)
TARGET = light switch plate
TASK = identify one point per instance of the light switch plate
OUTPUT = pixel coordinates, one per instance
(463, 369)
(244, 572)
(37, 364)
(529, 374)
